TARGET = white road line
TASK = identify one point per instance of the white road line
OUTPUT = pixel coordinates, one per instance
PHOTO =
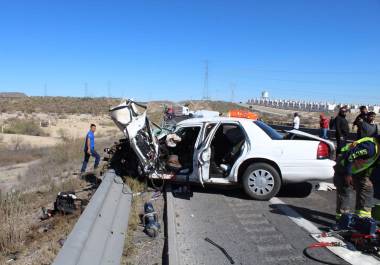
(352, 257)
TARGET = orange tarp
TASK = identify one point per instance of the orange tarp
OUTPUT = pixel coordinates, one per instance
(237, 113)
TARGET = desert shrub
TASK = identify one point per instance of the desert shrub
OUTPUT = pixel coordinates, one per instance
(12, 230)
(106, 123)
(29, 127)
(64, 134)
(11, 157)
(17, 142)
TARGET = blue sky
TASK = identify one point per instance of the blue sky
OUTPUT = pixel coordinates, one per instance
(296, 49)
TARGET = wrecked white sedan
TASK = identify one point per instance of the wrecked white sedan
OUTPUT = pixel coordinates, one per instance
(221, 150)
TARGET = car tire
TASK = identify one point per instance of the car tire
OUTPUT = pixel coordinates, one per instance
(261, 181)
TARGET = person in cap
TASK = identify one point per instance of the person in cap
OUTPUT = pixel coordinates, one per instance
(359, 120)
(341, 129)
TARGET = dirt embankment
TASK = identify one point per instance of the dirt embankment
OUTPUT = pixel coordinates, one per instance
(24, 238)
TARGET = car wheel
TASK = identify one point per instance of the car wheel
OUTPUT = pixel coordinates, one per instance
(261, 181)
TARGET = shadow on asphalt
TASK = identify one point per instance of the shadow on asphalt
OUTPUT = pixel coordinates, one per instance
(317, 217)
(299, 190)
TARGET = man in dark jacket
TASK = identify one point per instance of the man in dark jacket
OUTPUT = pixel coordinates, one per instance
(369, 127)
(341, 129)
(359, 120)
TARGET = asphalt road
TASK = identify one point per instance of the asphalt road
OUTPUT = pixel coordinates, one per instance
(252, 232)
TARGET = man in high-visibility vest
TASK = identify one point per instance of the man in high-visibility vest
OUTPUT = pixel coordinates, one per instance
(354, 168)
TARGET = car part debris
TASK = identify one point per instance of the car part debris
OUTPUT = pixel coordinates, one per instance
(351, 232)
(150, 220)
(221, 249)
(65, 203)
(13, 256)
(183, 191)
(173, 163)
(172, 140)
(325, 186)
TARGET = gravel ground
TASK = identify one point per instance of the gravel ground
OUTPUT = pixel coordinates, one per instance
(146, 250)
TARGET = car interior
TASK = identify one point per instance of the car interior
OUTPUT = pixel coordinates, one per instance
(225, 149)
(185, 148)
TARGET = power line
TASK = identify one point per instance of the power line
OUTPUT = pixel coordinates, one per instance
(232, 87)
(313, 72)
(205, 83)
(85, 90)
(109, 89)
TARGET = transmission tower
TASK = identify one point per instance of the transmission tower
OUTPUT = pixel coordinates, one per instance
(205, 84)
(109, 89)
(85, 90)
(45, 90)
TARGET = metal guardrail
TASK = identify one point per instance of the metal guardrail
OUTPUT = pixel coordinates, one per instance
(314, 131)
(98, 236)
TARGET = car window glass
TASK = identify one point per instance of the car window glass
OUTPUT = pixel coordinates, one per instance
(272, 133)
(188, 132)
(208, 129)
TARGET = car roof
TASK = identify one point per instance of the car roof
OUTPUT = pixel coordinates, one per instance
(211, 119)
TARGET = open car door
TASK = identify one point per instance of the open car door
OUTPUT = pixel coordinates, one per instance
(203, 155)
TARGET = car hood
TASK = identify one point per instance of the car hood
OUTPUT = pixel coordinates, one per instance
(312, 137)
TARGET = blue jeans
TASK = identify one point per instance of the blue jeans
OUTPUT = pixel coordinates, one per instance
(87, 157)
(323, 133)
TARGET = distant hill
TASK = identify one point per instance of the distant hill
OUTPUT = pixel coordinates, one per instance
(64, 105)
(73, 105)
(12, 95)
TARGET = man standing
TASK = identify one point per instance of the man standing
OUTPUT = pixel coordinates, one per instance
(341, 129)
(89, 149)
(354, 168)
(296, 121)
(359, 120)
(369, 127)
(324, 124)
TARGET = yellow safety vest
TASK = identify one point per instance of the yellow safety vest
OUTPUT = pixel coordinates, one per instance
(363, 164)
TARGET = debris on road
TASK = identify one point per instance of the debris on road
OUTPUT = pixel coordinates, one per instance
(150, 221)
(221, 249)
(325, 186)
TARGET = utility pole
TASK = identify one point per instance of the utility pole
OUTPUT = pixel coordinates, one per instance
(205, 84)
(85, 90)
(45, 90)
(232, 87)
(109, 89)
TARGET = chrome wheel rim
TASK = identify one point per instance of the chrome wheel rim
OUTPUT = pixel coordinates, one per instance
(261, 182)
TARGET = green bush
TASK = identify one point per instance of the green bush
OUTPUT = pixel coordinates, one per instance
(28, 127)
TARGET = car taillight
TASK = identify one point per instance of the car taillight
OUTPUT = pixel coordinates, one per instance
(323, 151)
